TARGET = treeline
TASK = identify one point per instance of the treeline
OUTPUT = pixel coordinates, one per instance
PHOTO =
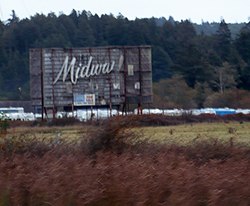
(191, 68)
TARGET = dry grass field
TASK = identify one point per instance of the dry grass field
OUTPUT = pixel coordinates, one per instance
(184, 134)
(65, 133)
(188, 134)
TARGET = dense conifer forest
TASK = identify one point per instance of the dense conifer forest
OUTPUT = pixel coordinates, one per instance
(205, 65)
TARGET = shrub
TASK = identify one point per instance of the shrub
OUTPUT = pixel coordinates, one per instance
(113, 135)
(4, 125)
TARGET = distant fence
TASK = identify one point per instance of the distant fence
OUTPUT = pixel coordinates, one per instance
(90, 114)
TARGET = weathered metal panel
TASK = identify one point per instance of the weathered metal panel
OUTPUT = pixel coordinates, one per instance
(114, 75)
(35, 62)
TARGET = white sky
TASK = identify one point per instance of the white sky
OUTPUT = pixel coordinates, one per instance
(232, 11)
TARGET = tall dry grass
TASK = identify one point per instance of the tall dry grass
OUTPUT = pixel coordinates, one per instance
(106, 169)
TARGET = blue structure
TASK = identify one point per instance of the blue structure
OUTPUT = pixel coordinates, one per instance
(224, 111)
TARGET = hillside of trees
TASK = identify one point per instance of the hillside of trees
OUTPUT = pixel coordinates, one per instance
(193, 66)
(207, 28)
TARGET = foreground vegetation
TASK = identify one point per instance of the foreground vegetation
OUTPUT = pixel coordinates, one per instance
(111, 164)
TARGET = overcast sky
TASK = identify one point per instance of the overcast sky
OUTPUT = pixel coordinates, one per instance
(232, 11)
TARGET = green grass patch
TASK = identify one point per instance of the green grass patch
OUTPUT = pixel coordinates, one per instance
(187, 134)
(184, 134)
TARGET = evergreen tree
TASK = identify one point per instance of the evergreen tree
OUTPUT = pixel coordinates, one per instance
(243, 47)
(223, 41)
(161, 64)
(243, 43)
(84, 34)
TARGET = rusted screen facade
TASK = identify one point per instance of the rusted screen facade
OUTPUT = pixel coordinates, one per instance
(96, 76)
